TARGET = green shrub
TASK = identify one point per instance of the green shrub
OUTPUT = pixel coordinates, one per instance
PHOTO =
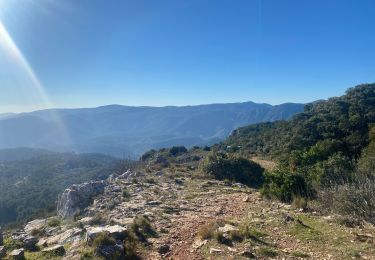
(366, 164)
(233, 168)
(336, 170)
(130, 245)
(125, 193)
(11, 244)
(104, 239)
(142, 228)
(148, 155)
(285, 186)
(54, 222)
(299, 203)
(98, 219)
(38, 232)
(177, 150)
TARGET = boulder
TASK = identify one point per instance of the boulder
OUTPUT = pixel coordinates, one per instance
(78, 196)
(116, 231)
(55, 250)
(17, 254)
(3, 251)
(29, 242)
(67, 236)
(37, 224)
(110, 252)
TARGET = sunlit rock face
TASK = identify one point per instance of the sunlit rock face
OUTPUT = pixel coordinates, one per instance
(77, 196)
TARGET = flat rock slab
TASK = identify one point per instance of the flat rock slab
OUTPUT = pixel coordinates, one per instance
(18, 254)
(115, 231)
(36, 224)
(56, 250)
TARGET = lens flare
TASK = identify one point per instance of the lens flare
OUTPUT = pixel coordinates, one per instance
(10, 48)
(7, 44)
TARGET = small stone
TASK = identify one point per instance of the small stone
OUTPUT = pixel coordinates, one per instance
(247, 254)
(42, 243)
(164, 249)
(288, 218)
(215, 250)
(246, 199)
(153, 203)
(199, 243)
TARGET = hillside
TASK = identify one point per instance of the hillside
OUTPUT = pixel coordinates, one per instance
(29, 187)
(130, 131)
(340, 124)
(168, 209)
(21, 153)
(294, 189)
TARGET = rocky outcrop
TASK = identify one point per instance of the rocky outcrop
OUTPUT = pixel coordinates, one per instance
(116, 231)
(27, 241)
(67, 236)
(18, 254)
(35, 225)
(77, 197)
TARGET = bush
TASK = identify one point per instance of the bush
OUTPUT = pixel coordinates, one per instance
(356, 200)
(233, 168)
(177, 150)
(142, 228)
(283, 185)
(208, 230)
(130, 245)
(336, 170)
(54, 222)
(366, 164)
(104, 239)
(98, 219)
(148, 155)
(125, 193)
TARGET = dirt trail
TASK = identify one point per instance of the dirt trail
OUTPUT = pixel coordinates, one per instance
(183, 234)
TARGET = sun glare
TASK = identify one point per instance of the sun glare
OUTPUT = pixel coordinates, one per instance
(9, 47)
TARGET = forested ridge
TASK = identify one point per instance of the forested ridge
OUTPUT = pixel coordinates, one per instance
(325, 153)
(338, 124)
(29, 188)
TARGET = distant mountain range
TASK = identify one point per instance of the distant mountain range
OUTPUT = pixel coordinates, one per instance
(129, 131)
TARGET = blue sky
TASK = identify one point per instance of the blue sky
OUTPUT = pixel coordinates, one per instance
(166, 52)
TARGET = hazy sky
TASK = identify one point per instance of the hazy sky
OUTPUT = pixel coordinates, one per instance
(172, 52)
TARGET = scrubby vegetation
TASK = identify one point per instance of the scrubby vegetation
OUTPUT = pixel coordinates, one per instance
(233, 168)
(325, 153)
